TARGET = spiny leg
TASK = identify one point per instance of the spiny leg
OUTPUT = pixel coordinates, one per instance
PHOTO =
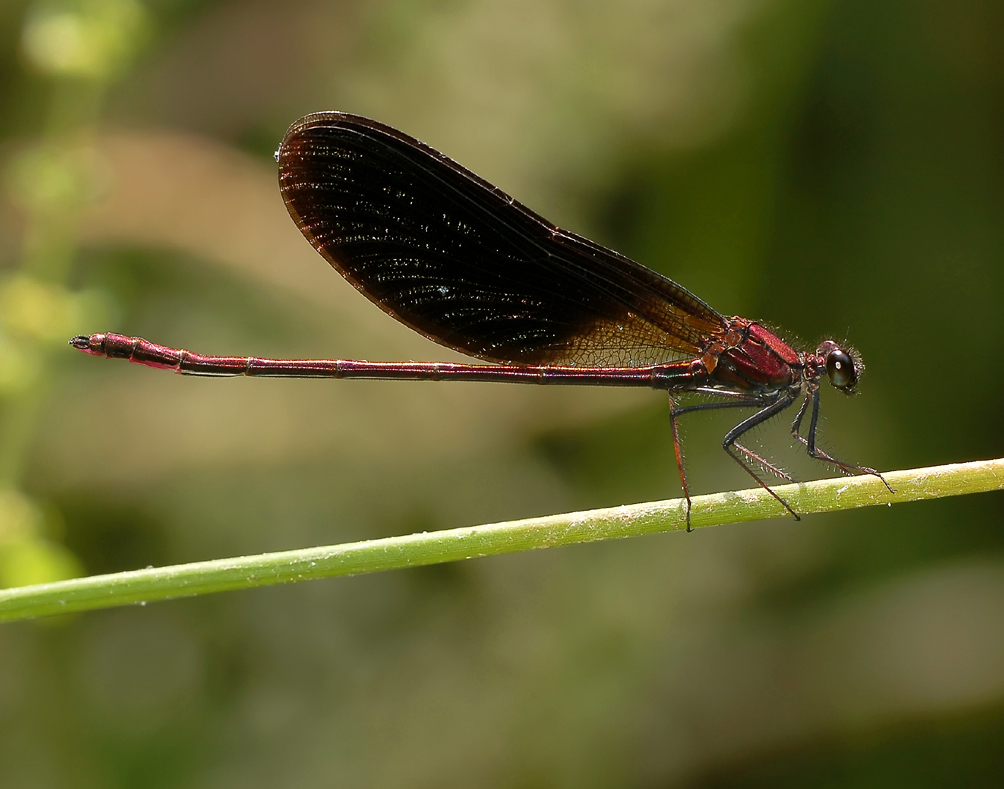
(753, 457)
(810, 443)
(733, 448)
(674, 412)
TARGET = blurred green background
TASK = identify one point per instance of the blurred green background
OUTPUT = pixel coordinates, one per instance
(836, 169)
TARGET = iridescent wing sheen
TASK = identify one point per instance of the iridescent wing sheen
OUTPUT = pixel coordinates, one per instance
(464, 264)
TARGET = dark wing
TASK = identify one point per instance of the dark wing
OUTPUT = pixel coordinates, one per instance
(459, 261)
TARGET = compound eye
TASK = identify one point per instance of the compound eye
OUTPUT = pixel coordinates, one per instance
(840, 369)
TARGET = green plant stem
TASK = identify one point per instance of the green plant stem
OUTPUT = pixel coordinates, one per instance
(141, 586)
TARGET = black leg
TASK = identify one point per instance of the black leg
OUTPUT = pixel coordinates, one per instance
(736, 450)
(675, 411)
(810, 443)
